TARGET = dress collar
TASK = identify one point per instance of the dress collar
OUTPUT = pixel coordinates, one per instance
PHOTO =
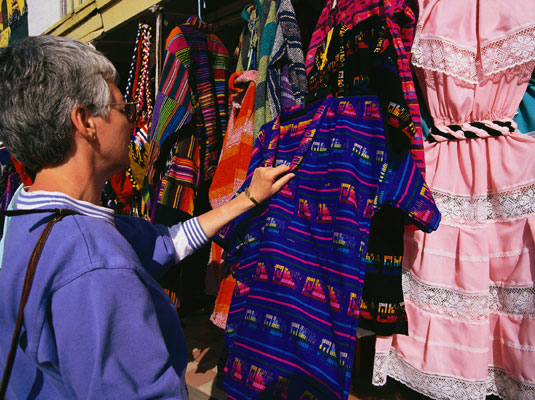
(197, 23)
(42, 199)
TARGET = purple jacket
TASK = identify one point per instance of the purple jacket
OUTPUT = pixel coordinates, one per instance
(97, 324)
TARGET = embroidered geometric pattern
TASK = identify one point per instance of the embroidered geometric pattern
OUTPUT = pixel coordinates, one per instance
(297, 259)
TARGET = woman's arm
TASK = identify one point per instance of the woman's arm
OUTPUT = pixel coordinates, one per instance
(266, 181)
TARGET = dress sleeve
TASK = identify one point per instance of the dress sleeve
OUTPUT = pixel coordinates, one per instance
(116, 339)
(405, 188)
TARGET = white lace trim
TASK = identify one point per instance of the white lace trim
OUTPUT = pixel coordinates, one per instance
(511, 56)
(516, 48)
(499, 382)
(468, 307)
(513, 345)
(503, 206)
(482, 259)
(445, 302)
(519, 301)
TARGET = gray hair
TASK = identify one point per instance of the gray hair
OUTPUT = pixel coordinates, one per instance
(42, 79)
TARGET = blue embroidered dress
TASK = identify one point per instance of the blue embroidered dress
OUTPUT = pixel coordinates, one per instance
(299, 260)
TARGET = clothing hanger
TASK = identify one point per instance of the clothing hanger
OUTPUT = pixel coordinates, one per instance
(200, 7)
(309, 99)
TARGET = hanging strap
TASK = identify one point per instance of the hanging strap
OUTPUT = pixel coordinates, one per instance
(59, 213)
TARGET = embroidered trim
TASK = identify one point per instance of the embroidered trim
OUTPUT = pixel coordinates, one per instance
(455, 256)
(499, 382)
(511, 56)
(503, 206)
(468, 307)
(513, 301)
(445, 302)
(503, 384)
(512, 345)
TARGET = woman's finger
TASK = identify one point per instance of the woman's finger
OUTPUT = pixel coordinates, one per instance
(277, 171)
(279, 184)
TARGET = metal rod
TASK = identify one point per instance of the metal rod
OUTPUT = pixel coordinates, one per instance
(158, 50)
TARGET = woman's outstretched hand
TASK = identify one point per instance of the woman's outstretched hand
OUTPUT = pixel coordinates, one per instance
(265, 182)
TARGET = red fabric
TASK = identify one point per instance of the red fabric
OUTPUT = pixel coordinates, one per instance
(122, 187)
(24, 176)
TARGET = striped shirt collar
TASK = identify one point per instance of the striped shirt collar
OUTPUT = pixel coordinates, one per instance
(41, 199)
(200, 25)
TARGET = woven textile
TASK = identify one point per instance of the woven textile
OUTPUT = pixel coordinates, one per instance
(262, 112)
(299, 259)
(231, 173)
(400, 17)
(286, 76)
(192, 87)
(362, 60)
(238, 143)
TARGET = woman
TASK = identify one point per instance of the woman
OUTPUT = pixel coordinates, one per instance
(96, 325)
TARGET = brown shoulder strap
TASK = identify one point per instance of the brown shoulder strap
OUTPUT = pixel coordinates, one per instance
(28, 280)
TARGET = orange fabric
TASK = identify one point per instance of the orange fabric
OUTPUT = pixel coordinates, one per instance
(231, 172)
(224, 297)
(21, 170)
(238, 143)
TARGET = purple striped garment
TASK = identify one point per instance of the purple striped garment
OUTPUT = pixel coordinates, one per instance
(400, 17)
(299, 259)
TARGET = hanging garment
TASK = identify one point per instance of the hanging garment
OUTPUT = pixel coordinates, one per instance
(238, 143)
(286, 76)
(362, 60)
(281, 70)
(262, 113)
(246, 50)
(469, 287)
(172, 110)
(400, 18)
(192, 87)
(122, 191)
(230, 175)
(298, 260)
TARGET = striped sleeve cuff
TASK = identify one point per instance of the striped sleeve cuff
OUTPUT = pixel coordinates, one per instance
(195, 234)
(187, 237)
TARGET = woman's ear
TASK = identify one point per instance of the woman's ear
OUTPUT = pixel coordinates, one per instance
(83, 122)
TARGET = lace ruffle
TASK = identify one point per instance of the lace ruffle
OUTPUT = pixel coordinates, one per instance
(503, 206)
(444, 301)
(512, 57)
(498, 382)
(469, 307)
(512, 300)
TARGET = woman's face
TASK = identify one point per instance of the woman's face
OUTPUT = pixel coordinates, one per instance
(114, 134)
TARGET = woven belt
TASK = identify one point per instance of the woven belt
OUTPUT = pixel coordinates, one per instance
(471, 130)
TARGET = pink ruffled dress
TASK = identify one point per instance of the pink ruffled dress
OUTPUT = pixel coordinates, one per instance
(469, 287)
